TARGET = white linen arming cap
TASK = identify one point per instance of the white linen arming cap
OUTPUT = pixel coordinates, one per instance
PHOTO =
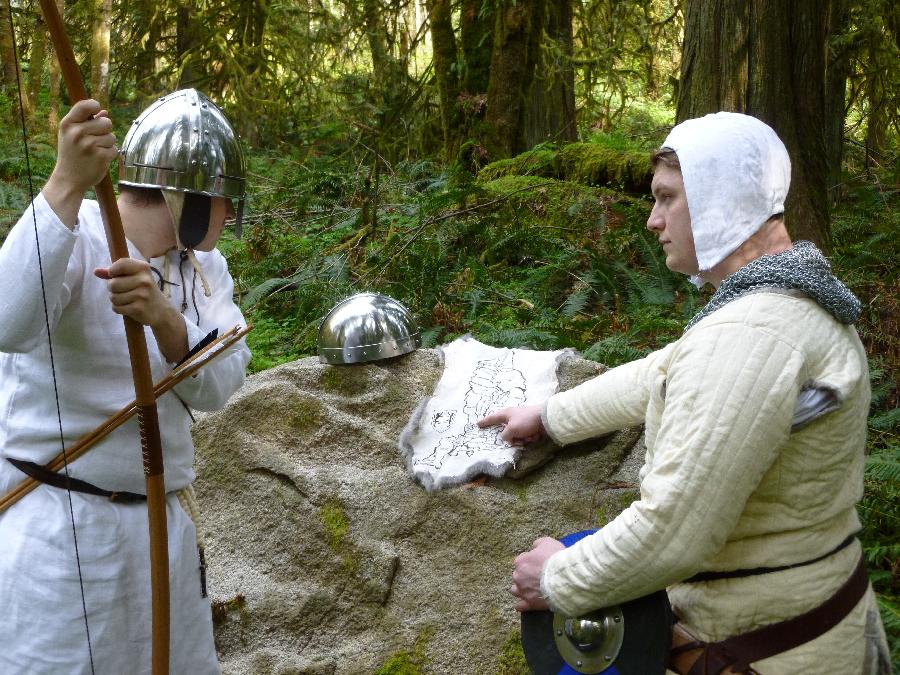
(736, 176)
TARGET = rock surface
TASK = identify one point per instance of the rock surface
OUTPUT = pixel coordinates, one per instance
(324, 556)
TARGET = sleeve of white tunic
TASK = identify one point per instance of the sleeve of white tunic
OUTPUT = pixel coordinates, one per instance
(614, 400)
(214, 383)
(729, 400)
(30, 267)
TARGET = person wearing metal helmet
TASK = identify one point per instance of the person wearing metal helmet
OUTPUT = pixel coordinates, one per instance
(755, 432)
(88, 609)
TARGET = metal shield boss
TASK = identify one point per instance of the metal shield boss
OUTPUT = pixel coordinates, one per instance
(633, 638)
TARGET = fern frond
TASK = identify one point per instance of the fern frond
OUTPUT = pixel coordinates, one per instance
(886, 421)
(522, 337)
(577, 300)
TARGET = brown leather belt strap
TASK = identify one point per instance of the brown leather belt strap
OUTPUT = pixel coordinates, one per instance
(735, 654)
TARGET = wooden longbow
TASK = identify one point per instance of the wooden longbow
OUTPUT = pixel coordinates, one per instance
(145, 400)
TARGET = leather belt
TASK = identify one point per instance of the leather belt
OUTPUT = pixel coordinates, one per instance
(43, 475)
(690, 656)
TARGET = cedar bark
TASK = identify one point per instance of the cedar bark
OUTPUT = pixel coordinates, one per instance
(767, 58)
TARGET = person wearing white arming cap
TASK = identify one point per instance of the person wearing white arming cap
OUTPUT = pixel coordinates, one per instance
(755, 425)
(87, 610)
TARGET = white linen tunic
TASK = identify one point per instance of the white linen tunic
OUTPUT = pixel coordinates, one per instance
(42, 627)
(726, 485)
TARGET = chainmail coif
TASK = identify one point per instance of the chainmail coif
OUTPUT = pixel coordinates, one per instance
(802, 268)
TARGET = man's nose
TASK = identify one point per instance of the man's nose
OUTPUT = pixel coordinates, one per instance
(655, 220)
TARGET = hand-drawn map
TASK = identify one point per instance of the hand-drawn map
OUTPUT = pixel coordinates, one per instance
(442, 442)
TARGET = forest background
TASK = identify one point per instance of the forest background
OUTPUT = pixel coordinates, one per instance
(486, 162)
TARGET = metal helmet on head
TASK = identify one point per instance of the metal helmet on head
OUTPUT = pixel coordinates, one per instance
(183, 144)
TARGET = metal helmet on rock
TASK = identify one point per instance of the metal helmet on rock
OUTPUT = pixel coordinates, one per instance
(184, 145)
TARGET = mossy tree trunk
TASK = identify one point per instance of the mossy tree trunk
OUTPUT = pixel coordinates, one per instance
(517, 30)
(551, 115)
(37, 59)
(389, 83)
(443, 43)
(100, 51)
(7, 56)
(55, 75)
(767, 58)
(476, 31)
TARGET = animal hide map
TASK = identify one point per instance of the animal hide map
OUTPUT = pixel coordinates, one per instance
(442, 443)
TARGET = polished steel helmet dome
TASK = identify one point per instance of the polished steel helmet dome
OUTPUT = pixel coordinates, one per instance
(367, 327)
(183, 143)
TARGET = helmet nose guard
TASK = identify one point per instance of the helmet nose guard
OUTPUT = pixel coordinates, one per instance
(183, 143)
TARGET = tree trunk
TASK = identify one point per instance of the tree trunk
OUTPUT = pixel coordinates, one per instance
(767, 58)
(517, 28)
(187, 42)
(443, 44)
(836, 73)
(551, 116)
(100, 51)
(55, 73)
(7, 55)
(476, 31)
(37, 60)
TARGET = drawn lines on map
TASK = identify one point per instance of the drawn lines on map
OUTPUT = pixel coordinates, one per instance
(494, 384)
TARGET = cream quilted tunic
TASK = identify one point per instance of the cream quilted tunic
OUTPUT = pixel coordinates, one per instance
(726, 485)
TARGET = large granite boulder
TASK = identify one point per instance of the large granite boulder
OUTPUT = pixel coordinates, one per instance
(324, 556)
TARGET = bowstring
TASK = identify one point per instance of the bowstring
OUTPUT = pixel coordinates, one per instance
(37, 240)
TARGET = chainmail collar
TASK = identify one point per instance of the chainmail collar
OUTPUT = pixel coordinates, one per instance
(802, 268)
